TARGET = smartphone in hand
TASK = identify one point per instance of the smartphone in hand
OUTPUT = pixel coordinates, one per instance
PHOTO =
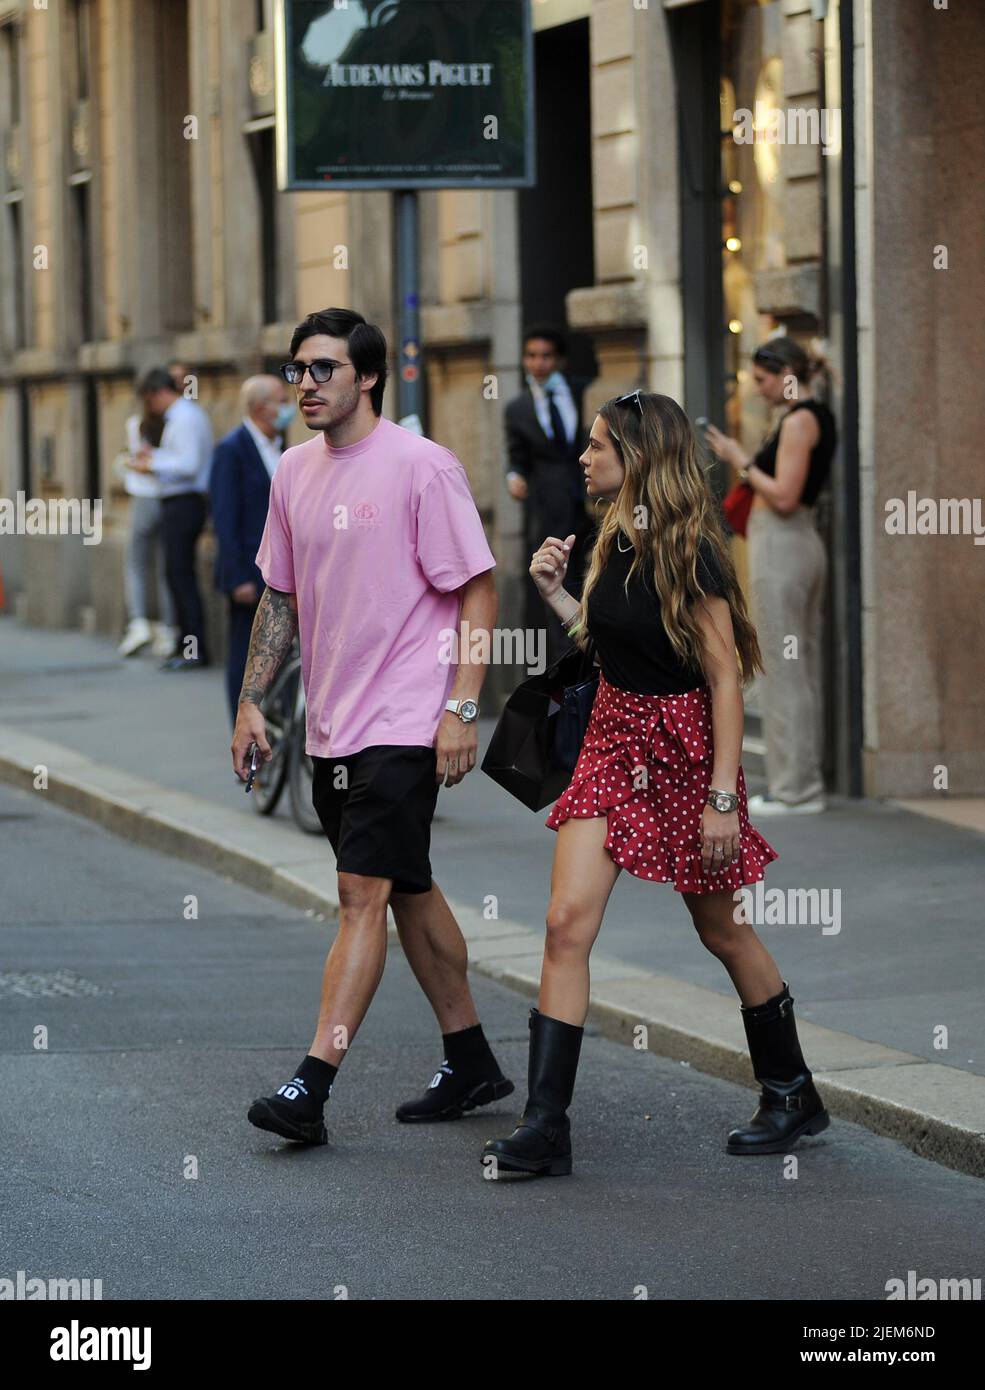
(254, 764)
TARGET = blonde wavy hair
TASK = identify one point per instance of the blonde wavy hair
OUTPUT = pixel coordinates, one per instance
(666, 487)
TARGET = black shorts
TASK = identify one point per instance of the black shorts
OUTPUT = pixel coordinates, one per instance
(378, 814)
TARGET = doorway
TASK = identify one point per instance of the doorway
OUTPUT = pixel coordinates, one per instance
(556, 235)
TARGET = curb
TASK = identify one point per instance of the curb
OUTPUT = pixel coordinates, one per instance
(936, 1111)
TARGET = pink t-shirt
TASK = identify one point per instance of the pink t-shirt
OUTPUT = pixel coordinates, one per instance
(374, 539)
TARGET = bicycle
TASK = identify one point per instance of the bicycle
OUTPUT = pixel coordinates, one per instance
(283, 710)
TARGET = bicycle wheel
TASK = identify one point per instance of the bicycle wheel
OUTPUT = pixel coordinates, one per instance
(277, 708)
(299, 781)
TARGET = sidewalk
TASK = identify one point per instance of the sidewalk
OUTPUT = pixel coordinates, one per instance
(147, 754)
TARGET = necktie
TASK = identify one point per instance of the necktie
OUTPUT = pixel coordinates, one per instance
(557, 424)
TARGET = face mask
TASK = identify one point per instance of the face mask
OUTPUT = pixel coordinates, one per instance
(285, 414)
(551, 383)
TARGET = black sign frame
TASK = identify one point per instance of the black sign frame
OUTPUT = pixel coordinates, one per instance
(294, 163)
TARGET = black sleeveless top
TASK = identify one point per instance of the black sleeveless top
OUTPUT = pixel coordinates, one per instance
(631, 641)
(821, 454)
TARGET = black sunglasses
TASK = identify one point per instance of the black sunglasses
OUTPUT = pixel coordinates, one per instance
(321, 370)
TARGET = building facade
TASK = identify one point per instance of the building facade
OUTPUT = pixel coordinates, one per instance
(141, 223)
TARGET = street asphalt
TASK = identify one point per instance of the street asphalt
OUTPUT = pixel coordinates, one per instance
(909, 954)
(127, 1156)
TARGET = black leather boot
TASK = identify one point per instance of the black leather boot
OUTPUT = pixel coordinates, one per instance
(541, 1142)
(789, 1104)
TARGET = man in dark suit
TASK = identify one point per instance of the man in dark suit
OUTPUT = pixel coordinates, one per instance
(242, 466)
(545, 438)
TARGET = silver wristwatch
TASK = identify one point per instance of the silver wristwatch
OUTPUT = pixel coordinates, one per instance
(726, 802)
(467, 710)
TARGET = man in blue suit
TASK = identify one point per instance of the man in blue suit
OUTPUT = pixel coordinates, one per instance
(242, 467)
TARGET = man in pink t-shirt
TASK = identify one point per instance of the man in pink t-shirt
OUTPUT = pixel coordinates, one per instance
(373, 553)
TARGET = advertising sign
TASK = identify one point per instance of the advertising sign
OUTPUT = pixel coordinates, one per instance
(404, 94)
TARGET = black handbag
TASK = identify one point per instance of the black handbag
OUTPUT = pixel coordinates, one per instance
(535, 745)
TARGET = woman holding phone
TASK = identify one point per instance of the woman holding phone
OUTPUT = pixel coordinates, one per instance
(658, 789)
(788, 569)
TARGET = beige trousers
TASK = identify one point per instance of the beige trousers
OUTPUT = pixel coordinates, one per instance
(788, 570)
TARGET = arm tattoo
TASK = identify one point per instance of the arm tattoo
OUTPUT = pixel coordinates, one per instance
(274, 629)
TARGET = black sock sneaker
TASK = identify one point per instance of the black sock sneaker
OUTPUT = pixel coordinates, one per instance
(295, 1112)
(467, 1050)
(469, 1076)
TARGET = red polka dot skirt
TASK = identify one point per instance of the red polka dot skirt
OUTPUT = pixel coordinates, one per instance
(646, 764)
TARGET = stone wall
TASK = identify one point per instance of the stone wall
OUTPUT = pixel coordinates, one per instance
(923, 343)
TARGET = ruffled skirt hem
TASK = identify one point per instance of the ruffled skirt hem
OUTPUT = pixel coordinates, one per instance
(653, 828)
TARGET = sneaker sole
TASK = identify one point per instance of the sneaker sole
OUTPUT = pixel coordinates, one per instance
(263, 1117)
(815, 1125)
(497, 1090)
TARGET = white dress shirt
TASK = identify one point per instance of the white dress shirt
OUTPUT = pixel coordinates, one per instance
(184, 460)
(138, 484)
(268, 449)
(562, 399)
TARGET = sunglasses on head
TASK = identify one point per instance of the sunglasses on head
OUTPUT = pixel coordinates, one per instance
(631, 396)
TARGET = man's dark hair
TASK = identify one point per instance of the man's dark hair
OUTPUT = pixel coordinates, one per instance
(365, 342)
(156, 379)
(548, 331)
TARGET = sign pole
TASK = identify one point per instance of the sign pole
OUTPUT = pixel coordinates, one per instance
(409, 314)
(404, 95)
